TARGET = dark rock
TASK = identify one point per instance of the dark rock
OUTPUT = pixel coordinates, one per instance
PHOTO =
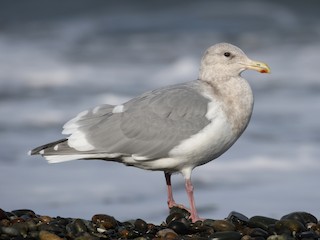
(174, 216)
(167, 234)
(3, 214)
(21, 212)
(208, 222)
(24, 224)
(80, 226)
(307, 235)
(302, 217)
(280, 237)
(105, 221)
(141, 226)
(262, 222)
(22, 227)
(293, 226)
(11, 231)
(179, 227)
(44, 235)
(223, 226)
(238, 218)
(229, 235)
(183, 211)
(5, 223)
(257, 232)
(45, 219)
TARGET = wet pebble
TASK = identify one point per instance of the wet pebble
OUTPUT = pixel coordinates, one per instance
(302, 217)
(25, 224)
(3, 214)
(238, 218)
(262, 222)
(179, 227)
(182, 211)
(229, 235)
(280, 237)
(141, 226)
(289, 225)
(20, 212)
(44, 235)
(167, 234)
(10, 231)
(223, 226)
(105, 221)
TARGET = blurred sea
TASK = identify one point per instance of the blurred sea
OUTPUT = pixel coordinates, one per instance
(57, 59)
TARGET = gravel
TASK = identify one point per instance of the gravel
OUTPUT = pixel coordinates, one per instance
(26, 224)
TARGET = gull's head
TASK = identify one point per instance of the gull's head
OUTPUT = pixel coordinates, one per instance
(226, 60)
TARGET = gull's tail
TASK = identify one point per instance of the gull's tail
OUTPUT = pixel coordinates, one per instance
(59, 151)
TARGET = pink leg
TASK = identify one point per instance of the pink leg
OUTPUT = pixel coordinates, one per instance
(171, 201)
(189, 189)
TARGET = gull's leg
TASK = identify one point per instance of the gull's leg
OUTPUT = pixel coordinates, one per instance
(189, 189)
(171, 202)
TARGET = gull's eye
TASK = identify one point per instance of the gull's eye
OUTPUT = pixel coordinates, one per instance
(227, 54)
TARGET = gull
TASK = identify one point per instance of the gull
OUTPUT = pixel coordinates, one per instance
(171, 129)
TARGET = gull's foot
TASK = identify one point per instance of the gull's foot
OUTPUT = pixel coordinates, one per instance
(179, 208)
(187, 213)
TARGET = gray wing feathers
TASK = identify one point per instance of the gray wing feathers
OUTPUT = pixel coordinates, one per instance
(150, 125)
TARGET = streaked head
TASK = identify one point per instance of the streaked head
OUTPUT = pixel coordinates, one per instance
(227, 60)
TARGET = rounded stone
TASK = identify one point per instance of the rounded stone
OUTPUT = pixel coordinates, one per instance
(307, 235)
(228, 235)
(293, 226)
(261, 222)
(179, 227)
(5, 223)
(280, 237)
(302, 217)
(3, 214)
(208, 222)
(257, 232)
(105, 221)
(170, 236)
(174, 216)
(11, 231)
(45, 235)
(141, 226)
(22, 227)
(166, 232)
(21, 212)
(45, 219)
(223, 226)
(31, 224)
(238, 218)
(79, 226)
(183, 211)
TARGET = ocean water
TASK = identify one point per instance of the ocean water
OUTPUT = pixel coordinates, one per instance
(56, 61)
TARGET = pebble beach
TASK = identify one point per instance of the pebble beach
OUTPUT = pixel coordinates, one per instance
(26, 224)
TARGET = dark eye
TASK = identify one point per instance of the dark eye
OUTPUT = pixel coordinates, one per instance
(227, 54)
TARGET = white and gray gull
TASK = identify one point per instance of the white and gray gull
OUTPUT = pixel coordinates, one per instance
(171, 129)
